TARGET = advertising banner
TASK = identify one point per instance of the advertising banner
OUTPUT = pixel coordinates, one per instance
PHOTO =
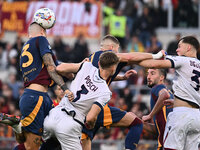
(72, 18)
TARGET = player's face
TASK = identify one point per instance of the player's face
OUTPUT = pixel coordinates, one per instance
(109, 45)
(182, 48)
(59, 92)
(111, 70)
(153, 77)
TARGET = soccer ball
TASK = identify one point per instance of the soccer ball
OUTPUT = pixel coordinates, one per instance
(45, 17)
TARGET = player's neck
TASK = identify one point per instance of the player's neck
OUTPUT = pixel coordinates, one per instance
(191, 54)
(104, 74)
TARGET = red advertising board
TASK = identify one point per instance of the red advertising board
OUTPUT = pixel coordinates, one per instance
(72, 18)
(13, 16)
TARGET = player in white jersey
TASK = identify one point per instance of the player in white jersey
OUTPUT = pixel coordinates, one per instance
(91, 93)
(182, 131)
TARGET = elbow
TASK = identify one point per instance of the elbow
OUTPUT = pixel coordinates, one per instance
(166, 95)
(91, 120)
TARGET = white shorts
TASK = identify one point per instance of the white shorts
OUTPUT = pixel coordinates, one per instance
(182, 131)
(64, 128)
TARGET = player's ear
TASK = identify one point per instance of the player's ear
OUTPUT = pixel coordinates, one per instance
(189, 48)
(162, 77)
(43, 32)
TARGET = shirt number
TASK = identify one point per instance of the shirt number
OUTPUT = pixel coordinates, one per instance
(28, 54)
(195, 78)
(82, 91)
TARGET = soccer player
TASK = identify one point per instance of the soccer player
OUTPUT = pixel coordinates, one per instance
(38, 66)
(182, 130)
(91, 93)
(112, 116)
(159, 93)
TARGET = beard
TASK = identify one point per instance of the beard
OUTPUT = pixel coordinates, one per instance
(150, 84)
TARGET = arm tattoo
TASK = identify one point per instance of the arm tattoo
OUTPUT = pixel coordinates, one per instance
(51, 68)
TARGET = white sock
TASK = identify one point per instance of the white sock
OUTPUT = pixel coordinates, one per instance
(17, 128)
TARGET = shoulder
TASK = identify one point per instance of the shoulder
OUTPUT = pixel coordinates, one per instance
(157, 88)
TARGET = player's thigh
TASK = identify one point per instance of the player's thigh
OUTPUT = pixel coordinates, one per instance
(111, 116)
(125, 121)
(68, 133)
(181, 126)
(34, 106)
(193, 133)
(32, 142)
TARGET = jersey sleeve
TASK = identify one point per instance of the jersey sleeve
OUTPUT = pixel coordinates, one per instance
(102, 100)
(44, 46)
(177, 61)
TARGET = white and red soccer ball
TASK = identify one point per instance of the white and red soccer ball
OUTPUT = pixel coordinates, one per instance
(45, 17)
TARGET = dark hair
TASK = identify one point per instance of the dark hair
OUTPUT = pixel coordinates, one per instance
(112, 38)
(163, 72)
(191, 40)
(108, 59)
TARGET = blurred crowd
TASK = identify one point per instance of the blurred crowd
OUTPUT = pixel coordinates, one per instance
(133, 22)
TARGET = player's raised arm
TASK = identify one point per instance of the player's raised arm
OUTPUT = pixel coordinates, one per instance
(51, 68)
(163, 95)
(151, 63)
(133, 57)
(68, 68)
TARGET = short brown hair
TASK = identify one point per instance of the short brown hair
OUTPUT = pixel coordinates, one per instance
(163, 72)
(112, 38)
(108, 59)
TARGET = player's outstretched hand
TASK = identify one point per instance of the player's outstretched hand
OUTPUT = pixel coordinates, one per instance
(70, 95)
(169, 103)
(146, 118)
(84, 60)
(129, 73)
(160, 55)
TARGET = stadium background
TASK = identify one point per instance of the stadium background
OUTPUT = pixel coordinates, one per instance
(79, 27)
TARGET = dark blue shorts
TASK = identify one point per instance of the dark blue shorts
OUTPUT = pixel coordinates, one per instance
(34, 107)
(107, 116)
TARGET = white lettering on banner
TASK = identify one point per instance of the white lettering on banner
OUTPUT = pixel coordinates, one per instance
(63, 15)
(53, 6)
(62, 30)
(71, 17)
(77, 17)
(92, 17)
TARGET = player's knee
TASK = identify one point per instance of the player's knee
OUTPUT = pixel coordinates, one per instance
(136, 122)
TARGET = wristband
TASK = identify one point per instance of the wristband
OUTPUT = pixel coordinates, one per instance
(158, 55)
(64, 87)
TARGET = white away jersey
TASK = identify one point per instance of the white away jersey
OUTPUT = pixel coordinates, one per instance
(88, 88)
(187, 85)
